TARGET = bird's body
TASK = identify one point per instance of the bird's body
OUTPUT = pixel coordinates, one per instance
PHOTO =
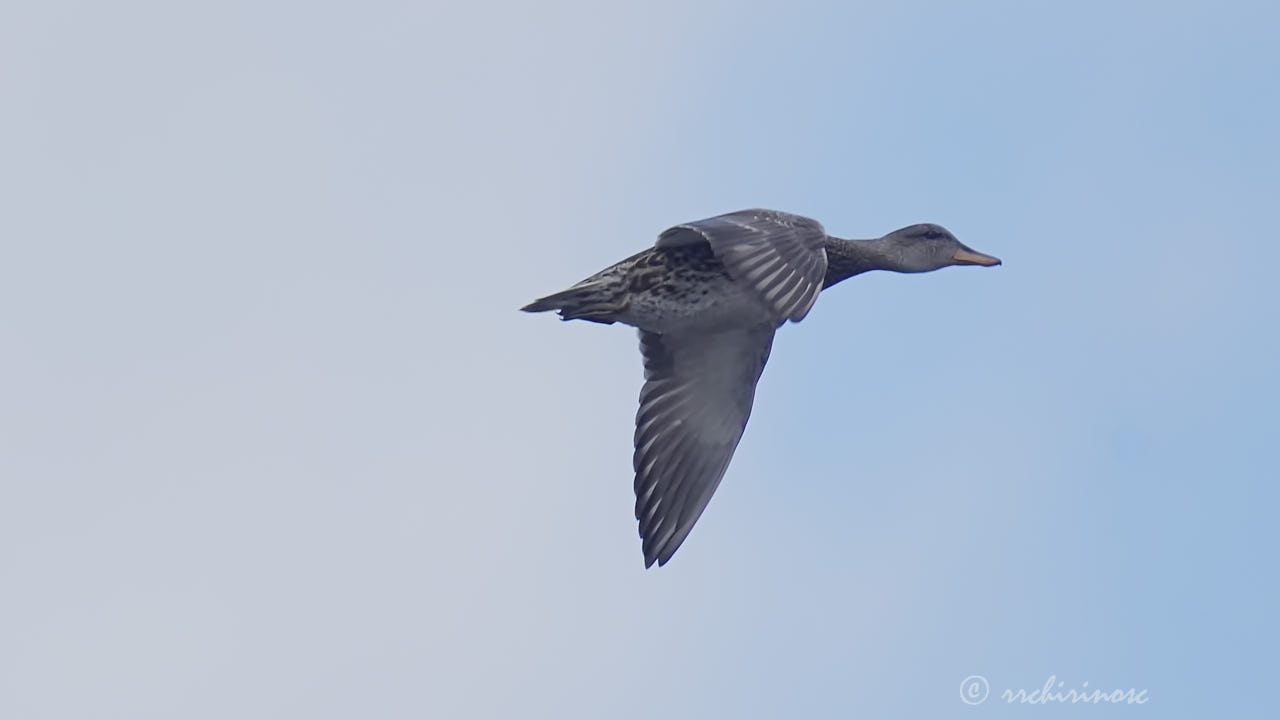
(707, 299)
(663, 289)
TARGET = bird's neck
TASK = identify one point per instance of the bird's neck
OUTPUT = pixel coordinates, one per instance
(846, 258)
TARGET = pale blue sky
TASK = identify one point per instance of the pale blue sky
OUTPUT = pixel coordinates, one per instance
(276, 443)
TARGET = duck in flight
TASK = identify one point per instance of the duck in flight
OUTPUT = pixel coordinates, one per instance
(707, 299)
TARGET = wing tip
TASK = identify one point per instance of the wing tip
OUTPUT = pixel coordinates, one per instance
(659, 554)
(662, 543)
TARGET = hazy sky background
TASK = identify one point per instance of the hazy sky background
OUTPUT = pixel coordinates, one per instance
(275, 442)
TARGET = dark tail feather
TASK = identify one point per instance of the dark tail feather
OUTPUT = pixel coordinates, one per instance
(542, 304)
(587, 301)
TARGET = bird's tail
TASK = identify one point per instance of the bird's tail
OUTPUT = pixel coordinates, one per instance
(594, 300)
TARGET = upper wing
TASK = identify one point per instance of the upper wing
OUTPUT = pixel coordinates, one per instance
(694, 406)
(779, 254)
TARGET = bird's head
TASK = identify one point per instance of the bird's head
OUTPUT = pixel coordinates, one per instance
(926, 247)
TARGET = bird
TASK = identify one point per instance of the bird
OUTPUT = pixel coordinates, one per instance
(707, 299)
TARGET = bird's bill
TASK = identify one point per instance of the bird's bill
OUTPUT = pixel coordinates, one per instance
(965, 256)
